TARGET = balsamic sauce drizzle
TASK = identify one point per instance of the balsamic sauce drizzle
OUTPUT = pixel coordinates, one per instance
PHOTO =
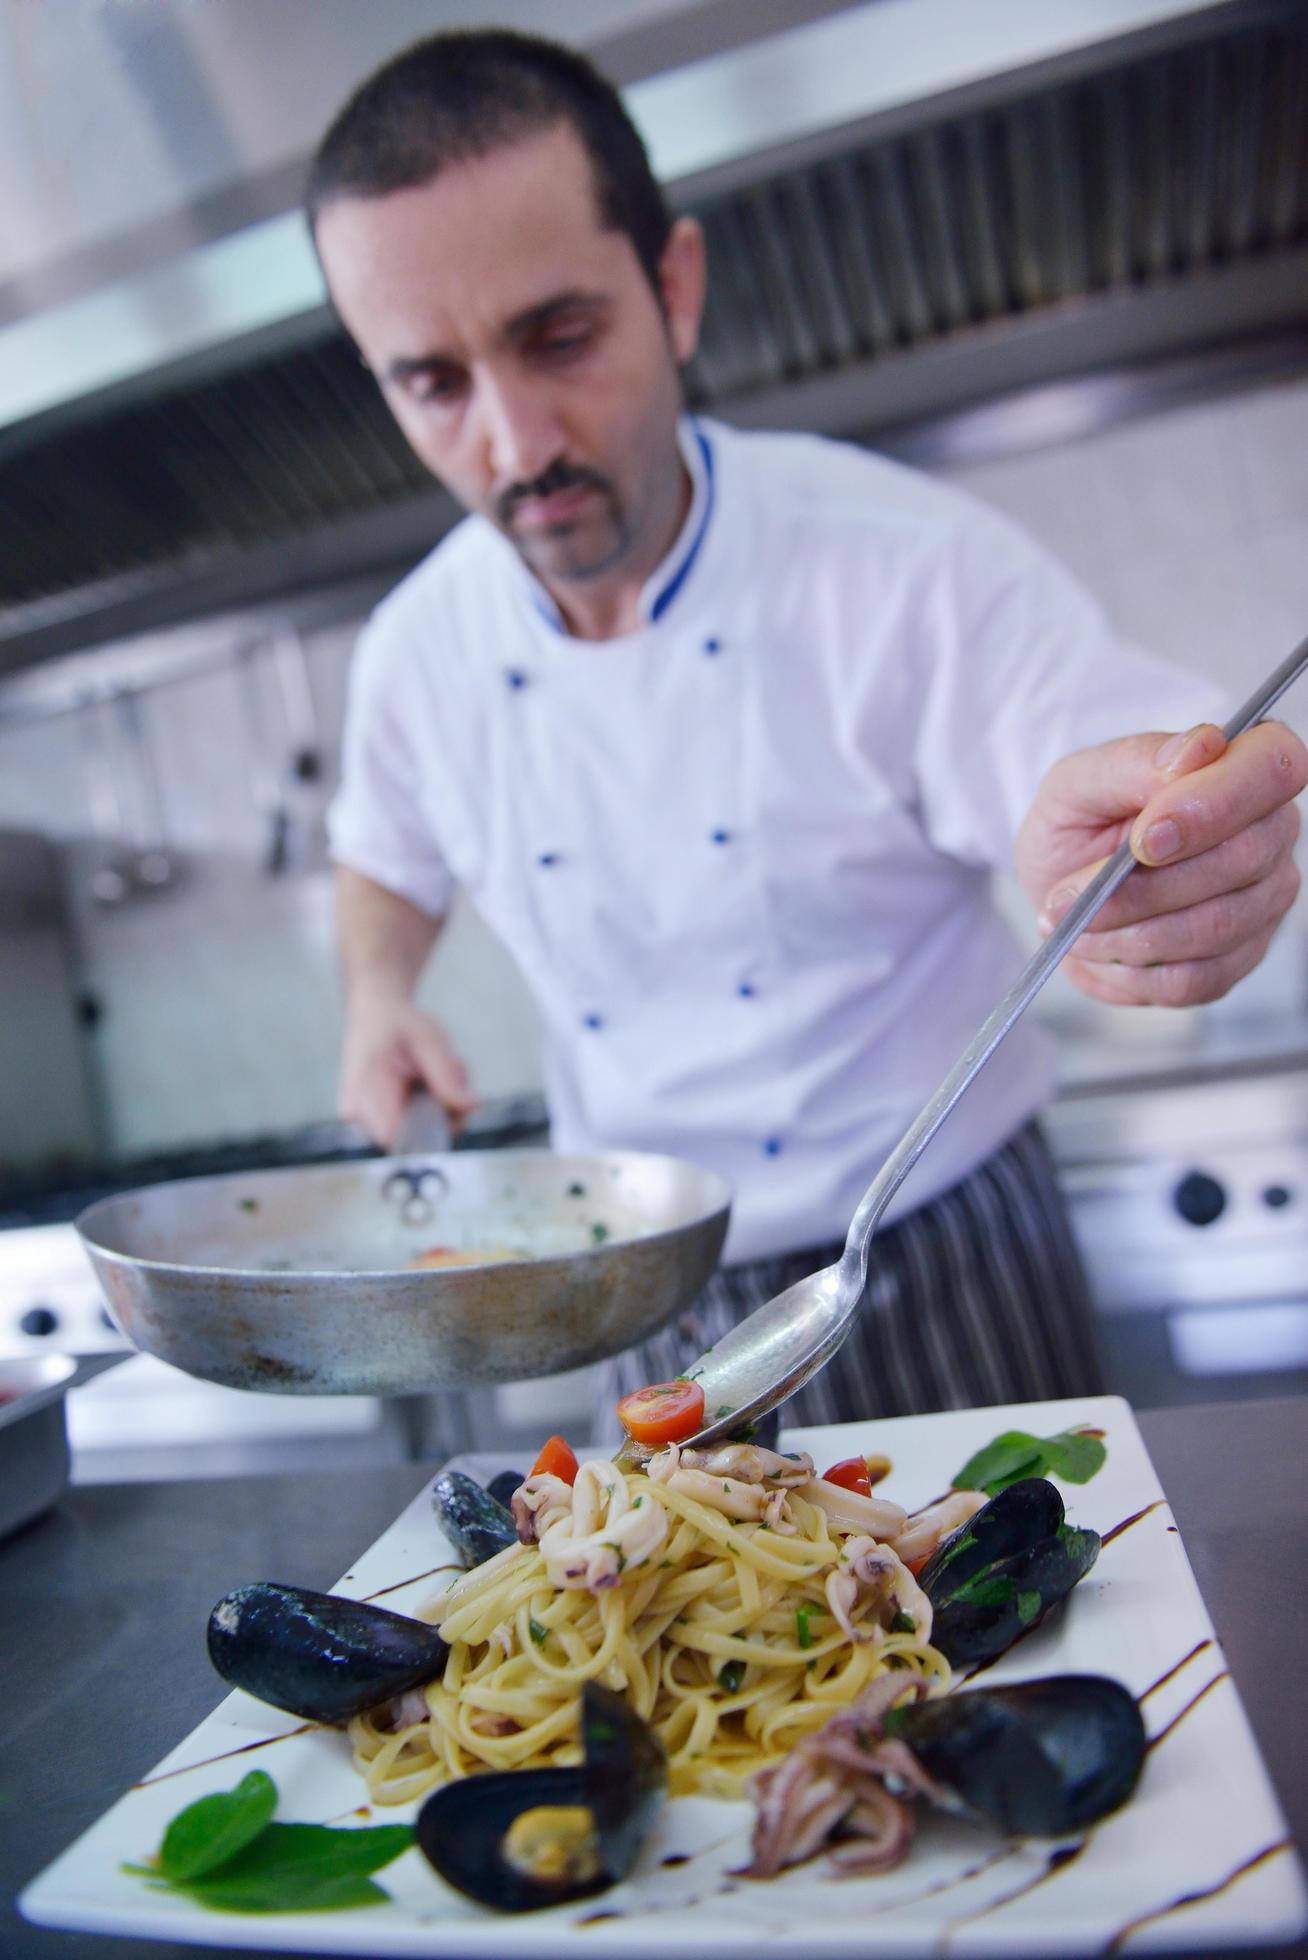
(264, 1742)
(1124, 1933)
(1207, 1688)
(417, 1578)
(1164, 1678)
(1057, 1861)
(1126, 1523)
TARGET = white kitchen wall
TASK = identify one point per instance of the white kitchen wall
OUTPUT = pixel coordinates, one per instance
(218, 996)
(1190, 527)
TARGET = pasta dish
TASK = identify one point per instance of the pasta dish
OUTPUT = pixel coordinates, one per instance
(734, 1598)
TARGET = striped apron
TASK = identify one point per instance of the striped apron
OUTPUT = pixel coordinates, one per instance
(977, 1297)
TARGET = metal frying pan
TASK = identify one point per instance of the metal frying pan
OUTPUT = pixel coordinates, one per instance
(300, 1281)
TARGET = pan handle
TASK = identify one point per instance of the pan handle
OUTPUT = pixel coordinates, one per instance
(424, 1128)
(424, 1132)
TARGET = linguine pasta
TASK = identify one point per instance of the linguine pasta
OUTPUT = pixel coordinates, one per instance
(733, 1637)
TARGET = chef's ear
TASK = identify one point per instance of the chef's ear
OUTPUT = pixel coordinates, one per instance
(682, 281)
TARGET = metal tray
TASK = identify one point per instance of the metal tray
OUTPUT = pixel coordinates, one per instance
(33, 1435)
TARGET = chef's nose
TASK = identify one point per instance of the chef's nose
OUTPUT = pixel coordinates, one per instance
(519, 429)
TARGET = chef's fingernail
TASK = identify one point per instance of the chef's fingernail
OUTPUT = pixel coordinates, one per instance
(1160, 842)
(1056, 907)
(1171, 749)
(1169, 753)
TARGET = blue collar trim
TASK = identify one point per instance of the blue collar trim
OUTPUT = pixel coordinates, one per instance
(664, 599)
(544, 605)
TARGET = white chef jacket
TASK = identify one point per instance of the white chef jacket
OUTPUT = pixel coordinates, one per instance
(743, 854)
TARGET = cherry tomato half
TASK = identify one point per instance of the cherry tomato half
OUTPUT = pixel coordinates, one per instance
(557, 1459)
(851, 1474)
(662, 1413)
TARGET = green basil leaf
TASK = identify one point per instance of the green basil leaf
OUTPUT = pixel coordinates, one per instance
(223, 1852)
(802, 1633)
(273, 1893)
(215, 1828)
(1006, 1460)
(1075, 1455)
(1029, 1606)
(299, 1851)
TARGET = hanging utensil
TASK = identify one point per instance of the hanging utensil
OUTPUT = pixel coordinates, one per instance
(151, 865)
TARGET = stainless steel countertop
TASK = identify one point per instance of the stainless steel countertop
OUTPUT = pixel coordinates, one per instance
(102, 1603)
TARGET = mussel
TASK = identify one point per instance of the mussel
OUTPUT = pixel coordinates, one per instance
(525, 1838)
(476, 1524)
(998, 1574)
(502, 1487)
(1040, 1758)
(316, 1655)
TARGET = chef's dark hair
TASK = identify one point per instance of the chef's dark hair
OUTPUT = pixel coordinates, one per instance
(456, 96)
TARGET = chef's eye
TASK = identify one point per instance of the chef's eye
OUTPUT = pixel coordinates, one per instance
(564, 345)
(439, 388)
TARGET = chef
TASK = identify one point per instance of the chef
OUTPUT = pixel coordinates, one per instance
(726, 735)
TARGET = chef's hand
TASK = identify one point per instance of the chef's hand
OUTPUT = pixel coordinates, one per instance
(1213, 826)
(392, 1048)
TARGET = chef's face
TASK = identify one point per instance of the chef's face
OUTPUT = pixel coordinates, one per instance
(523, 351)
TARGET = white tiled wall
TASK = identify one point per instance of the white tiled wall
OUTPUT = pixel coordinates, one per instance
(220, 1000)
(219, 1003)
(1191, 528)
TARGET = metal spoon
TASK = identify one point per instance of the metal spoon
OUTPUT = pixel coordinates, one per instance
(778, 1347)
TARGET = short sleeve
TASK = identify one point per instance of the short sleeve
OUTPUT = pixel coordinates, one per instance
(1021, 668)
(378, 823)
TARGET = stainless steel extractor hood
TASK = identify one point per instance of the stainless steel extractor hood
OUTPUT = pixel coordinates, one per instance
(911, 205)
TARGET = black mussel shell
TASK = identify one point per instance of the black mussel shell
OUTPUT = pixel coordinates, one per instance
(476, 1524)
(317, 1655)
(1041, 1758)
(998, 1575)
(1016, 1519)
(502, 1487)
(462, 1827)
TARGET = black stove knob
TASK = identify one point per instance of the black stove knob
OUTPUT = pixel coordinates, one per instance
(1199, 1198)
(39, 1320)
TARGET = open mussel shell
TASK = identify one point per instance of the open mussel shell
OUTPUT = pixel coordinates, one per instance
(476, 1524)
(316, 1655)
(521, 1839)
(997, 1576)
(1019, 1517)
(502, 1486)
(1040, 1758)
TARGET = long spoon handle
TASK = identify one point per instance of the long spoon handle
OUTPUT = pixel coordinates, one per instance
(1019, 997)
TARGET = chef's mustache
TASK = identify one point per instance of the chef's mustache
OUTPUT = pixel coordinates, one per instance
(559, 476)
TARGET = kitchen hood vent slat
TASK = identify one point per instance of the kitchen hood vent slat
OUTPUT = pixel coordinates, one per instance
(981, 244)
(940, 229)
(838, 195)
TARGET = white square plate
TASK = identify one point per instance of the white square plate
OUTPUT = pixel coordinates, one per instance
(1200, 1856)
